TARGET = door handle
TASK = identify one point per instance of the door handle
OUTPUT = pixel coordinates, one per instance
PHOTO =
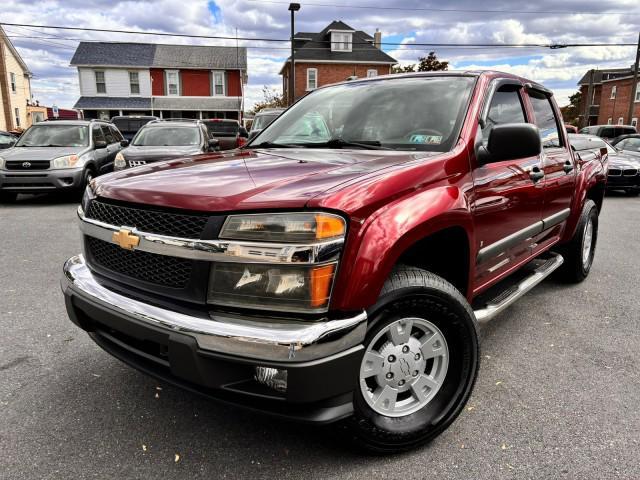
(568, 166)
(536, 174)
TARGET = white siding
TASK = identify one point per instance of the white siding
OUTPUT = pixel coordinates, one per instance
(117, 80)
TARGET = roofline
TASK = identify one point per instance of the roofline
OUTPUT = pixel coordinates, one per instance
(14, 51)
(162, 44)
(174, 67)
(619, 78)
(358, 62)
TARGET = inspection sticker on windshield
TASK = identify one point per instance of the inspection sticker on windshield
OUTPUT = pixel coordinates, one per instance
(428, 139)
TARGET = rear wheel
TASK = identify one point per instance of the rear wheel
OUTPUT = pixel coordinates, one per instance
(420, 363)
(632, 192)
(579, 252)
(8, 197)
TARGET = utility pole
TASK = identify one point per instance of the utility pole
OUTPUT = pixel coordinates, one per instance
(293, 8)
(634, 85)
(587, 102)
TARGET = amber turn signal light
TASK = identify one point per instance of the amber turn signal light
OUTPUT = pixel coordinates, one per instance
(321, 280)
(329, 226)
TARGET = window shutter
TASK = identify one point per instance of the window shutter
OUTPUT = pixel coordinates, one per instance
(165, 85)
(225, 87)
(211, 84)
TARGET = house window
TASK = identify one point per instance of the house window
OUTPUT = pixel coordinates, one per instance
(340, 42)
(218, 83)
(173, 82)
(634, 122)
(312, 78)
(372, 72)
(134, 83)
(593, 97)
(609, 121)
(613, 92)
(620, 121)
(17, 110)
(13, 82)
(101, 86)
(638, 92)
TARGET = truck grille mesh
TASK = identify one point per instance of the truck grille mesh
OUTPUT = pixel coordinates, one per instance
(150, 221)
(157, 269)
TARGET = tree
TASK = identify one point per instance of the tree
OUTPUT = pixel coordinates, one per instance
(571, 112)
(430, 63)
(271, 99)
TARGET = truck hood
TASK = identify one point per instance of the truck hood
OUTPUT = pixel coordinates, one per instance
(40, 153)
(249, 179)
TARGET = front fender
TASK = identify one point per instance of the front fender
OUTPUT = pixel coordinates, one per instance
(375, 246)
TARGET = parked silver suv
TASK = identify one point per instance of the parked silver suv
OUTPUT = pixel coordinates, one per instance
(58, 155)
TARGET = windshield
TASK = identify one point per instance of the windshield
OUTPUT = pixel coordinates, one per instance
(6, 140)
(415, 113)
(167, 136)
(130, 124)
(55, 136)
(262, 121)
(629, 144)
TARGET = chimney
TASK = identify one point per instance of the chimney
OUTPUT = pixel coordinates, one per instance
(377, 39)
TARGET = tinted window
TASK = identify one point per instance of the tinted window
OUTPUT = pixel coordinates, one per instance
(545, 120)
(116, 134)
(607, 132)
(403, 113)
(131, 124)
(54, 136)
(97, 134)
(167, 136)
(222, 128)
(623, 131)
(108, 135)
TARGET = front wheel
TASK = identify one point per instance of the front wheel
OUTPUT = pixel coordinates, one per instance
(579, 252)
(420, 363)
(8, 197)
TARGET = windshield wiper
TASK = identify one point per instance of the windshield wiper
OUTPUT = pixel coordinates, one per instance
(273, 145)
(341, 142)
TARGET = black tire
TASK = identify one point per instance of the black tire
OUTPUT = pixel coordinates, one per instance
(632, 192)
(8, 197)
(417, 293)
(88, 175)
(574, 269)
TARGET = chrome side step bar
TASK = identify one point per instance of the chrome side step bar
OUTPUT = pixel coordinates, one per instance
(512, 294)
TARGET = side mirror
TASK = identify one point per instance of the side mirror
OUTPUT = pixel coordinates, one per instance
(100, 144)
(254, 133)
(214, 145)
(510, 141)
(124, 143)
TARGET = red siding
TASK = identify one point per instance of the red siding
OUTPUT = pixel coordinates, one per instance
(195, 83)
(63, 114)
(233, 83)
(157, 81)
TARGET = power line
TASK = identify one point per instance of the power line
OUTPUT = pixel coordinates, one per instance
(450, 10)
(218, 37)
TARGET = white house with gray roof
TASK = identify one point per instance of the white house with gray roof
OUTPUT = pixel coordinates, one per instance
(186, 81)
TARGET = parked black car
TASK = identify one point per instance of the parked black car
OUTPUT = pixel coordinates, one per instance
(229, 133)
(7, 140)
(624, 169)
(129, 125)
(58, 155)
(608, 132)
(629, 144)
(163, 140)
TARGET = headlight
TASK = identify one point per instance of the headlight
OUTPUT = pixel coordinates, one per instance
(68, 161)
(300, 282)
(119, 163)
(1, 163)
(87, 197)
(288, 288)
(286, 228)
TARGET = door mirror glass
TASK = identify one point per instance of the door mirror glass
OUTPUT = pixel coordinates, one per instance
(511, 141)
(124, 143)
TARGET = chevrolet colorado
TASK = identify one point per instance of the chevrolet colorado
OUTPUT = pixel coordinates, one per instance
(336, 268)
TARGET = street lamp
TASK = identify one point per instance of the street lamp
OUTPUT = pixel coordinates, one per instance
(293, 7)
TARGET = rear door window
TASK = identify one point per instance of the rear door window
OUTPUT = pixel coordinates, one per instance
(97, 134)
(108, 135)
(545, 119)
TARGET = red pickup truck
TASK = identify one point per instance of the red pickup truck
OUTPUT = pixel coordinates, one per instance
(336, 268)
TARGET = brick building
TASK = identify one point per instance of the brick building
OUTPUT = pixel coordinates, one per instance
(333, 55)
(608, 102)
(187, 81)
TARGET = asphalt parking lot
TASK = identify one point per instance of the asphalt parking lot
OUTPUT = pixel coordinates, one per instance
(558, 393)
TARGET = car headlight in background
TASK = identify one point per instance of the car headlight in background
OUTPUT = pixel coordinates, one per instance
(67, 161)
(119, 163)
(299, 281)
(1, 163)
(286, 228)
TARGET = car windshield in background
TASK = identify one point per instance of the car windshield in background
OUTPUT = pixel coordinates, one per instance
(222, 128)
(629, 145)
(414, 113)
(130, 124)
(167, 136)
(262, 121)
(55, 136)
(6, 140)
(582, 142)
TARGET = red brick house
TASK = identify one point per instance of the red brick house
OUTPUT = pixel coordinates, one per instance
(333, 55)
(608, 102)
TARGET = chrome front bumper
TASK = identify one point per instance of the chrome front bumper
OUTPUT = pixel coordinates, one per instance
(265, 339)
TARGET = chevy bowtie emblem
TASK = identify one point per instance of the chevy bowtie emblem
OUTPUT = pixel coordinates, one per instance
(125, 239)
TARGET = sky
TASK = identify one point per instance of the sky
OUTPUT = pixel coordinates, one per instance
(406, 22)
